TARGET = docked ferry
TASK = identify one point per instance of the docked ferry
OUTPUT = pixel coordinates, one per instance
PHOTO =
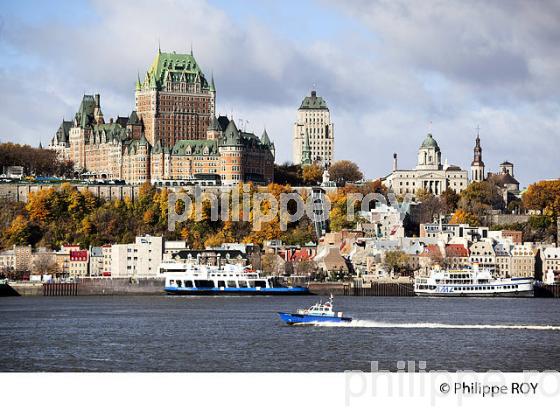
(471, 282)
(193, 279)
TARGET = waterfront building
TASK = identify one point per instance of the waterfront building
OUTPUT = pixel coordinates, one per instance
(100, 260)
(429, 174)
(172, 136)
(138, 259)
(23, 258)
(503, 258)
(7, 260)
(483, 254)
(431, 256)
(330, 260)
(456, 256)
(78, 263)
(550, 259)
(313, 137)
(523, 258)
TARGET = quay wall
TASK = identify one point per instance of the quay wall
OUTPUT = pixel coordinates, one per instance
(547, 291)
(27, 288)
(327, 288)
(120, 286)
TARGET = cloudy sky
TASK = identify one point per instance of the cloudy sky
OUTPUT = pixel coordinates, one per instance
(386, 68)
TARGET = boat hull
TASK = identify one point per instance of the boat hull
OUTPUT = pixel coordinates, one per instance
(299, 290)
(458, 294)
(300, 319)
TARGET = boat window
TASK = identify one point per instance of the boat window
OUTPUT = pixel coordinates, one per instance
(179, 283)
(221, 284)
(188, 284)
(204, 283)
(231, 284)
(242, 284)
(172, 282)
(261, 283)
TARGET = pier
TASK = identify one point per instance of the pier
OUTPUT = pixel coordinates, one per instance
(60, 289)
(381, 289)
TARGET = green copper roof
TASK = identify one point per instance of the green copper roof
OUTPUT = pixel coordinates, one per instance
(264, 138)
(231, 135)
(84, 116)
(313, 103)
(177, 67)
(195, 147)
(306, 150)
(214, 125)
(429, 142)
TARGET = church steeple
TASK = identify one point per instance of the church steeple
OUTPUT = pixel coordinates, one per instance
(477, 165)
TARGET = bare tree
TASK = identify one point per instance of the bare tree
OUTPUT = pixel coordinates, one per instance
(44, 264)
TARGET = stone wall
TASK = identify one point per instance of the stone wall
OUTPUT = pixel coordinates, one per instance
(20, 192)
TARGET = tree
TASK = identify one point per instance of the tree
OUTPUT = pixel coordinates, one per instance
(273, 264)
(305, 267)
(345, 171)
(479, 197)
(288, 173)
(396, 261)
(449, 200)
(44, 264)
(312, 174)
(423, 195)
(543, 196)
(463, 217)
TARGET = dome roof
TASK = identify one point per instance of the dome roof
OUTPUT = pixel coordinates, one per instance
(429, 142)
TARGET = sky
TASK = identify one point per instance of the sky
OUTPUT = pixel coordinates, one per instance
(390, 70)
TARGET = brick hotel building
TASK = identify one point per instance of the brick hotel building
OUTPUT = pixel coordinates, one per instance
(172, 136)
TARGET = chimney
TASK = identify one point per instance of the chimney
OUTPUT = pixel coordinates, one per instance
(97, 100)
(394, 161)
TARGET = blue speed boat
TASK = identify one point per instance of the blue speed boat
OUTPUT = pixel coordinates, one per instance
(318, 313)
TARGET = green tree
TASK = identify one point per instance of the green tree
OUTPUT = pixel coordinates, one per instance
(396, 261)
(479, 197)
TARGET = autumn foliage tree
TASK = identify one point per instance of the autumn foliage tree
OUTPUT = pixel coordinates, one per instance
(543, 196)
(345, 171)
(312, 174)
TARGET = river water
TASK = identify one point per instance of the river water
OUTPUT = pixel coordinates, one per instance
(196, 334)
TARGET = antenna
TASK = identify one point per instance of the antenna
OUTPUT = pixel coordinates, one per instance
(477, 129)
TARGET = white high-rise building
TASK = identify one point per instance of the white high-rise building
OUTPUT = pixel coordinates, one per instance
(313, 140)
(139, 259)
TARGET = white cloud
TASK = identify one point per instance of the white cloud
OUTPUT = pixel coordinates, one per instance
(458, 64)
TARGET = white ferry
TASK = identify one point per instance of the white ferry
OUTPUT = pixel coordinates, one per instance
(471, 282)
(193, 279)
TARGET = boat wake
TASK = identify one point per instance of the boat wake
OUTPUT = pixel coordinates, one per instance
(374, 324)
